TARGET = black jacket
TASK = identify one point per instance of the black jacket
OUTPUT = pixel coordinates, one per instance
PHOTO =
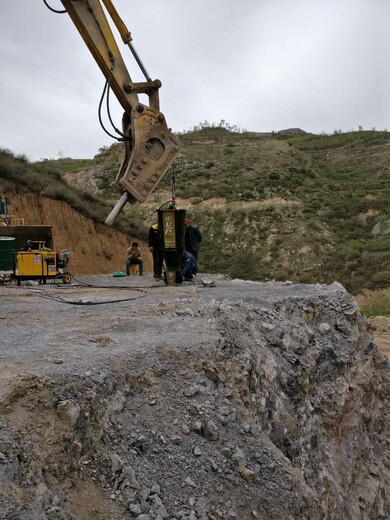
(193, 238)
(154, 237)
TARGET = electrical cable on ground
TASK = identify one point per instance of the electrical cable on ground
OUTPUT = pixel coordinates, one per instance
(42, 293)
(65, 287)
(80, 302)
(85, 284)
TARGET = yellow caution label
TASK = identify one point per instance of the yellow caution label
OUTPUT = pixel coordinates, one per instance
(169, 229)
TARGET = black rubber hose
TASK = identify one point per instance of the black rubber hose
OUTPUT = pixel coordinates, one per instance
(53, 10)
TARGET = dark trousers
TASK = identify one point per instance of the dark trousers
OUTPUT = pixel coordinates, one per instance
(158, 258)
(132, 261)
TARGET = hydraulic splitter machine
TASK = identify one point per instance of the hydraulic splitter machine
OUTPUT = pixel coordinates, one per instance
(172, 230)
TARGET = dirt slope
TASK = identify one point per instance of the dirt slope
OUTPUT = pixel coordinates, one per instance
(95, 248)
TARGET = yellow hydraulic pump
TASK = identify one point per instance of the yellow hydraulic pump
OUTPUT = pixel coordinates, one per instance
(39, 263)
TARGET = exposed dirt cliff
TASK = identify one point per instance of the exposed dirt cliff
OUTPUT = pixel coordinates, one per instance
(95, 248)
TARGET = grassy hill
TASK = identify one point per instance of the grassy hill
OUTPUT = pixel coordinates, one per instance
(301, 207)
(306, 208)
(48, 178)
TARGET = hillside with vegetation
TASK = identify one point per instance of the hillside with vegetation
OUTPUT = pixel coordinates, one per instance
(300, 207)
(39, 195)
(305, 208)
(284, 206)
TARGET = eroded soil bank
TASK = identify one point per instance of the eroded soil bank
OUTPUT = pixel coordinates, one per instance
(240, 400)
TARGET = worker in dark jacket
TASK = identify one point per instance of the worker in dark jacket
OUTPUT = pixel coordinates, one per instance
(189, 266)
(192, 238)
(156, 249)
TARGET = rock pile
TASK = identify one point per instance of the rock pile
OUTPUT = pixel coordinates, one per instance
(281, 414)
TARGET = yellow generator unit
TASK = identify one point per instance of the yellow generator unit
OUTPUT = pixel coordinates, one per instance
(40, 263)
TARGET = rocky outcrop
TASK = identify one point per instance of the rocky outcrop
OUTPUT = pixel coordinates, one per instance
(242, 400)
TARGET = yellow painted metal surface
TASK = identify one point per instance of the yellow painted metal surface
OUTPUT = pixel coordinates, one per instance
(169, 229)
(134, 269)
(36, 263)
(150, 146)
(170, 277)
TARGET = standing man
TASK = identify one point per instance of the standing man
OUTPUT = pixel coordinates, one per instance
(192, 238)
(156, 250)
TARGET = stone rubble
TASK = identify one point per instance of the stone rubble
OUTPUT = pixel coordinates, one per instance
(284, 414)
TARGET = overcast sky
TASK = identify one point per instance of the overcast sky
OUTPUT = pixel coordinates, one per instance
(262, 65)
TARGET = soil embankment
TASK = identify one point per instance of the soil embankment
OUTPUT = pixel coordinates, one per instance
(95, 248)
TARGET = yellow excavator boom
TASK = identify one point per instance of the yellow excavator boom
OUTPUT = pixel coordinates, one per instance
(150, 146)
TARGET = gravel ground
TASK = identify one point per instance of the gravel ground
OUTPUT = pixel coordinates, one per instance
(54, 329)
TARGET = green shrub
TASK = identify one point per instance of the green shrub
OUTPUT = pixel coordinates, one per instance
(380, 244)
(274, 176)
(381, 277)
(355, 245)
(343, 175)
(379, 306)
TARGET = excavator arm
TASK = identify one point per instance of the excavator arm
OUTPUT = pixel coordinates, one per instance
(150, 146)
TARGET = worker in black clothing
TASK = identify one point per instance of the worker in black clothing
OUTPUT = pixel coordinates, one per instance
(192, 238)
(156, 249)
